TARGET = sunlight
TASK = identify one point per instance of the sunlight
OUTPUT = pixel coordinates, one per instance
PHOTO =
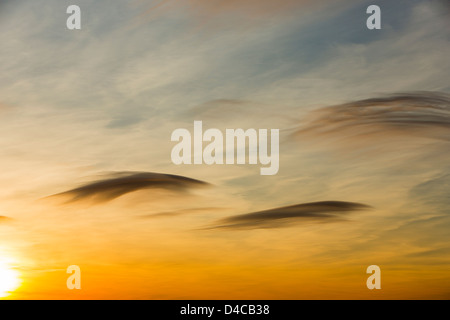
(9, 279)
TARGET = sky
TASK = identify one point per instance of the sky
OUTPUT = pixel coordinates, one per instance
(86, 118)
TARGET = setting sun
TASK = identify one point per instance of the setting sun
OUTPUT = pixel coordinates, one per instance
(9, 279)
(224, 150)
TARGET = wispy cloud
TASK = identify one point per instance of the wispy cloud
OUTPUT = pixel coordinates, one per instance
(4, 219)
(174, 213)
(323, 211)
(433, 193)
(252, 8)
(421, 113)
(235, 113)
(125, 182)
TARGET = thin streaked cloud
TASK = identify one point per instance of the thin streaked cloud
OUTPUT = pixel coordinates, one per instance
(323, 211)
(425, 114)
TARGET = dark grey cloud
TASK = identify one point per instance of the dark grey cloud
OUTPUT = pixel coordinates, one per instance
(323, 211)
(125, 182)
(424, 114)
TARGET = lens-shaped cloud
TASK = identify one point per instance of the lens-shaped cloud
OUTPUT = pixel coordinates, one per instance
(125, 182)
(323, 211)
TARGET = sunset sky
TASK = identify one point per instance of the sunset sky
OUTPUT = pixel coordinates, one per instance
(86, 176)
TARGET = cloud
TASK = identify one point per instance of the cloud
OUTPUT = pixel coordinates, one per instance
(167, 214)
(219, 108)
(414, 126)
(323, 211)
(252, 8)
(233, 113)
(425, 114)
(434, 193)
(4, 219)
(4, 107)
(125, 182)
(208, 15)
(431, 253)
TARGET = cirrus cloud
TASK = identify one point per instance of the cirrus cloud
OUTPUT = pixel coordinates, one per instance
(419, 113)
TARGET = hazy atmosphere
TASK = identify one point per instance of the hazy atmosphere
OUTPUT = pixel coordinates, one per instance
(87, 179)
